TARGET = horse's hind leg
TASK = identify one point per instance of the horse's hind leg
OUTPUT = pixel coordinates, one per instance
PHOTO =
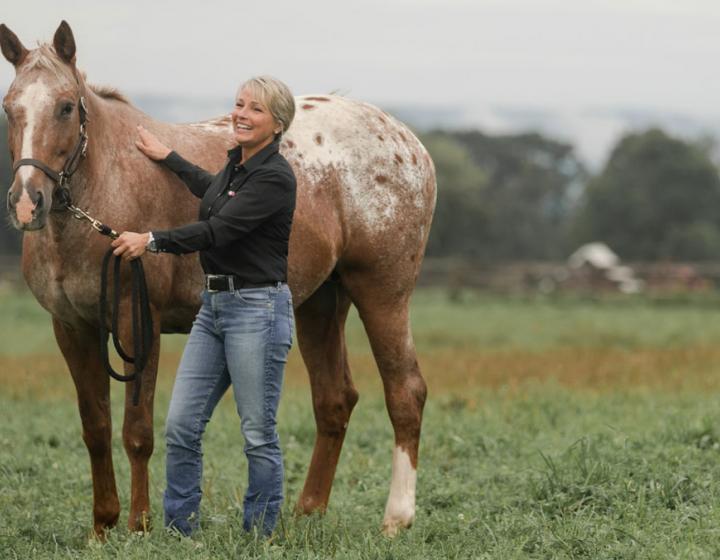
(138, 437)
(385, 316)
(321, 337)
(80, 346)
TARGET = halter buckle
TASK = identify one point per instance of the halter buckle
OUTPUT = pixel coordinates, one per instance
(83, 140)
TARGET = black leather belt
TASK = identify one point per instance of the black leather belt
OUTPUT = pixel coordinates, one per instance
(229, 283)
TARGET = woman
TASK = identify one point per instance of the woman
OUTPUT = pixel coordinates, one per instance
(242, 333)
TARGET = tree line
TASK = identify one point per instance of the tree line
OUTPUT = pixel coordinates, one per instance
(529, 197)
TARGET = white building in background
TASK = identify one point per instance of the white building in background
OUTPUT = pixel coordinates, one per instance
(598, 259)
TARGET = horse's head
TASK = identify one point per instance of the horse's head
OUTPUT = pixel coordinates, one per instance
(43, 111)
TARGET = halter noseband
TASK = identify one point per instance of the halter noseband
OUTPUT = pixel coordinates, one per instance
(71, 164)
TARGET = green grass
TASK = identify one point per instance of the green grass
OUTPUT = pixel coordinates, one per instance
(486, 323)
(531, 470)
(477, 323)
(550, 474)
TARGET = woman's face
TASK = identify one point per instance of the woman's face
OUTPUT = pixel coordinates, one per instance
(253, 124)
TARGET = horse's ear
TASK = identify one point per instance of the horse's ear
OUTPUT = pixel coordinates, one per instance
(64, 42)
(11, 46)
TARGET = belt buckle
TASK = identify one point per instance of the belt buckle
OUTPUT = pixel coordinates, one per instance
(208, 281)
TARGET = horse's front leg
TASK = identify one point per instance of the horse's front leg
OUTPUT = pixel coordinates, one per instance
(80, 345)
(138, 424)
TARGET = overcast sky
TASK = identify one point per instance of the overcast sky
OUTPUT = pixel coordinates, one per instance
(491, 60)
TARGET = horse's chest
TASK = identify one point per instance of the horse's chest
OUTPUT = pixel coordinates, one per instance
(54, 280)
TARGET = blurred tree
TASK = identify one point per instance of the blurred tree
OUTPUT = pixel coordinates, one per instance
(10, 238)
(657, 198)
(460, 221)
(530, 191)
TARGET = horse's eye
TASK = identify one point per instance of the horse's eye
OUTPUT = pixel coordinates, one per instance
(66, 109)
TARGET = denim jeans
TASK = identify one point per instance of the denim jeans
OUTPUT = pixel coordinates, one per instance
(242, 339)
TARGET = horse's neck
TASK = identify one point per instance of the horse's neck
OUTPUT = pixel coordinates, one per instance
(111, 133)
(115, 179)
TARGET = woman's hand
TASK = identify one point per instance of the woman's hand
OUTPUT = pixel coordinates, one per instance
(130, 245)
(149, 145)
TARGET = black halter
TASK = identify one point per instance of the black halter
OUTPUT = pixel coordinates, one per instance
(61, 191)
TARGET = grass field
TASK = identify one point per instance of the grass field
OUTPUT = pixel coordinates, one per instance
(554, 429)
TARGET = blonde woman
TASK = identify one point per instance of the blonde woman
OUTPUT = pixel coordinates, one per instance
(243, 331)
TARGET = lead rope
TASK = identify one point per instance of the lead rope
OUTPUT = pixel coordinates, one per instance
(141, 317)
(142, 326)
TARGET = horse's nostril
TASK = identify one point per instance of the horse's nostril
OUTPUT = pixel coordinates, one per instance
(40, 200)
(10, 201)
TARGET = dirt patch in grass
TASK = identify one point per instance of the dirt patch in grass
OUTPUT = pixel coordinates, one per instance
(446, 371)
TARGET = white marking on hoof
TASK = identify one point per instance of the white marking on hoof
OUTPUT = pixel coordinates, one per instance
(400, 508)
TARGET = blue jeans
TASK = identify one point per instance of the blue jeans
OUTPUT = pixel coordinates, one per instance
(242, 339)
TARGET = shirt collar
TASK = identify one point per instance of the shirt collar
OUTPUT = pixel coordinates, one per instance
(258, 159)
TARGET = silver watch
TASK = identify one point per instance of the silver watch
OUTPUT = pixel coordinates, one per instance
(151, 244)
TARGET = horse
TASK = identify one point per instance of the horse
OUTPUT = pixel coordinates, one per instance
(365, 200)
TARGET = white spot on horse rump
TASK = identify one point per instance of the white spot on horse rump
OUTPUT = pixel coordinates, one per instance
(34, 99)
(400, 508)
(351, 151)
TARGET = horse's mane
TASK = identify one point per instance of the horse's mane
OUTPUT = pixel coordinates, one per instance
(45, 57)
(109, 92)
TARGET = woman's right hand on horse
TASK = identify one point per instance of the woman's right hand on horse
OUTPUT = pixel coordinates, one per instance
(149, 145)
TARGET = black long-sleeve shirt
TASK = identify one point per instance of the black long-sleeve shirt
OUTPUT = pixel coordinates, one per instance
(245, 215)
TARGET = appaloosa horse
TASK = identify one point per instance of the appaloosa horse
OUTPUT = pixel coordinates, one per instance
(366, 194)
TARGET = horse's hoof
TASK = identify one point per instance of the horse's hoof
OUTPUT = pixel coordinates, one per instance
(393, 525)
(309, 506)
(95, 539)
(141, 523)
(98, 536)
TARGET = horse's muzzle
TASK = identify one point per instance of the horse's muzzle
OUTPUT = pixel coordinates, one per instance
(27, 208)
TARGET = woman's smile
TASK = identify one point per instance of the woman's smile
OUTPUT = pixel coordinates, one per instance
(253, 123)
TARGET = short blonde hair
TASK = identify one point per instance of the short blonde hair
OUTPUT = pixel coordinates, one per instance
(276, 96)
